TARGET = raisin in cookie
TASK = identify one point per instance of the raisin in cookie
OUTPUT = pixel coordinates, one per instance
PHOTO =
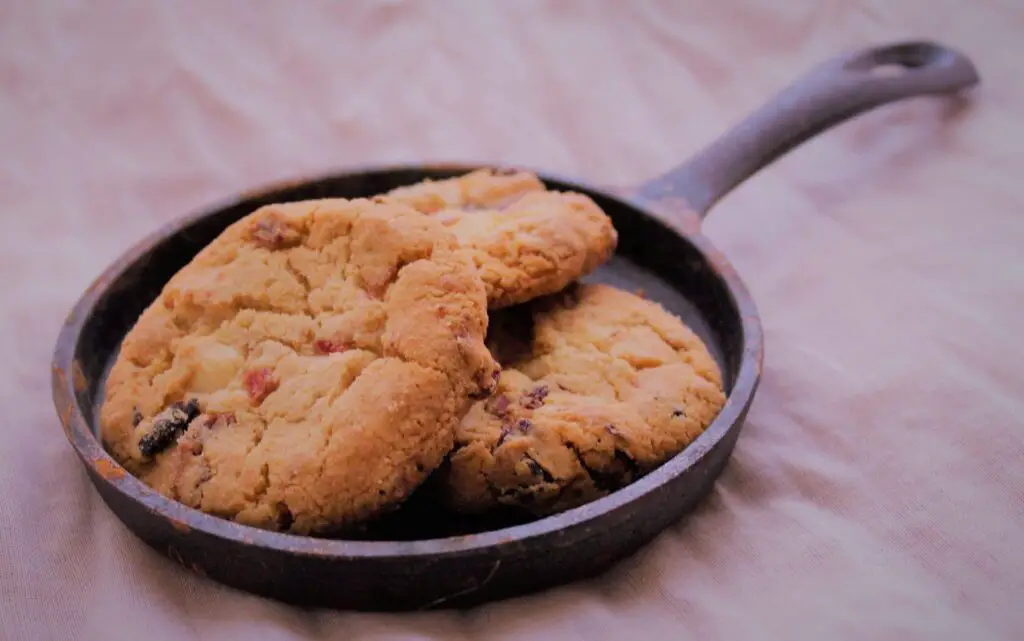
(526, 241)
(599, 387)
(306, 370)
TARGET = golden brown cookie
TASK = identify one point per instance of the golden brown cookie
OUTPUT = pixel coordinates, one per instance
(306, 370)
(599, 387)
(483, 189)
(525, 241)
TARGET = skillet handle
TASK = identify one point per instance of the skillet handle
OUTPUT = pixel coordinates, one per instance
(839, 89)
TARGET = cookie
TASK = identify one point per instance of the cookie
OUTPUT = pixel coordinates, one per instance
(306, 370)
(483, 189)
(599, 387)
(526, 241)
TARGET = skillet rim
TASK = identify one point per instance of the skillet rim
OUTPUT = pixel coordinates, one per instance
(66, 376)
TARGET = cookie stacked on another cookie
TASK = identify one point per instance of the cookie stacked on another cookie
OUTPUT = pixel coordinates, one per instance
(306, 370)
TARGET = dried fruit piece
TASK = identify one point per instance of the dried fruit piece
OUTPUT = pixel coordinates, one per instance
(534, 398)
(259, 383)
(167, 426)
(505, 431)
(329, 346)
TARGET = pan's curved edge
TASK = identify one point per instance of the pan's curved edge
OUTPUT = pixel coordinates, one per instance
(572, 524)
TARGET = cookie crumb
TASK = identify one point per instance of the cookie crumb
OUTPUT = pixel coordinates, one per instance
(534, 398)
(259, 383)
(328, 346)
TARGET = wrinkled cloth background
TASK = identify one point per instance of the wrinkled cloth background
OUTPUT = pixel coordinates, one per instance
(877, 491)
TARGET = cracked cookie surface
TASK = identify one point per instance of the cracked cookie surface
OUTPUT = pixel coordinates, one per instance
(526, 241)
(599, 386)
(306, 370)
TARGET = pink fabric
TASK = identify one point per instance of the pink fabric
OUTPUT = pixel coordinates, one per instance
(877, 490)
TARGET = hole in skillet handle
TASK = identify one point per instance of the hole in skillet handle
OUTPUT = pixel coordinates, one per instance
(914, 58)
(897, 59)
(888, 62)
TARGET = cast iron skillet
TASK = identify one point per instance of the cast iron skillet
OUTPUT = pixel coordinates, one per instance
(419, 558)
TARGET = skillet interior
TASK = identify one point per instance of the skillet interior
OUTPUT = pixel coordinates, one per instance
(651, 256)
(663, 266)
